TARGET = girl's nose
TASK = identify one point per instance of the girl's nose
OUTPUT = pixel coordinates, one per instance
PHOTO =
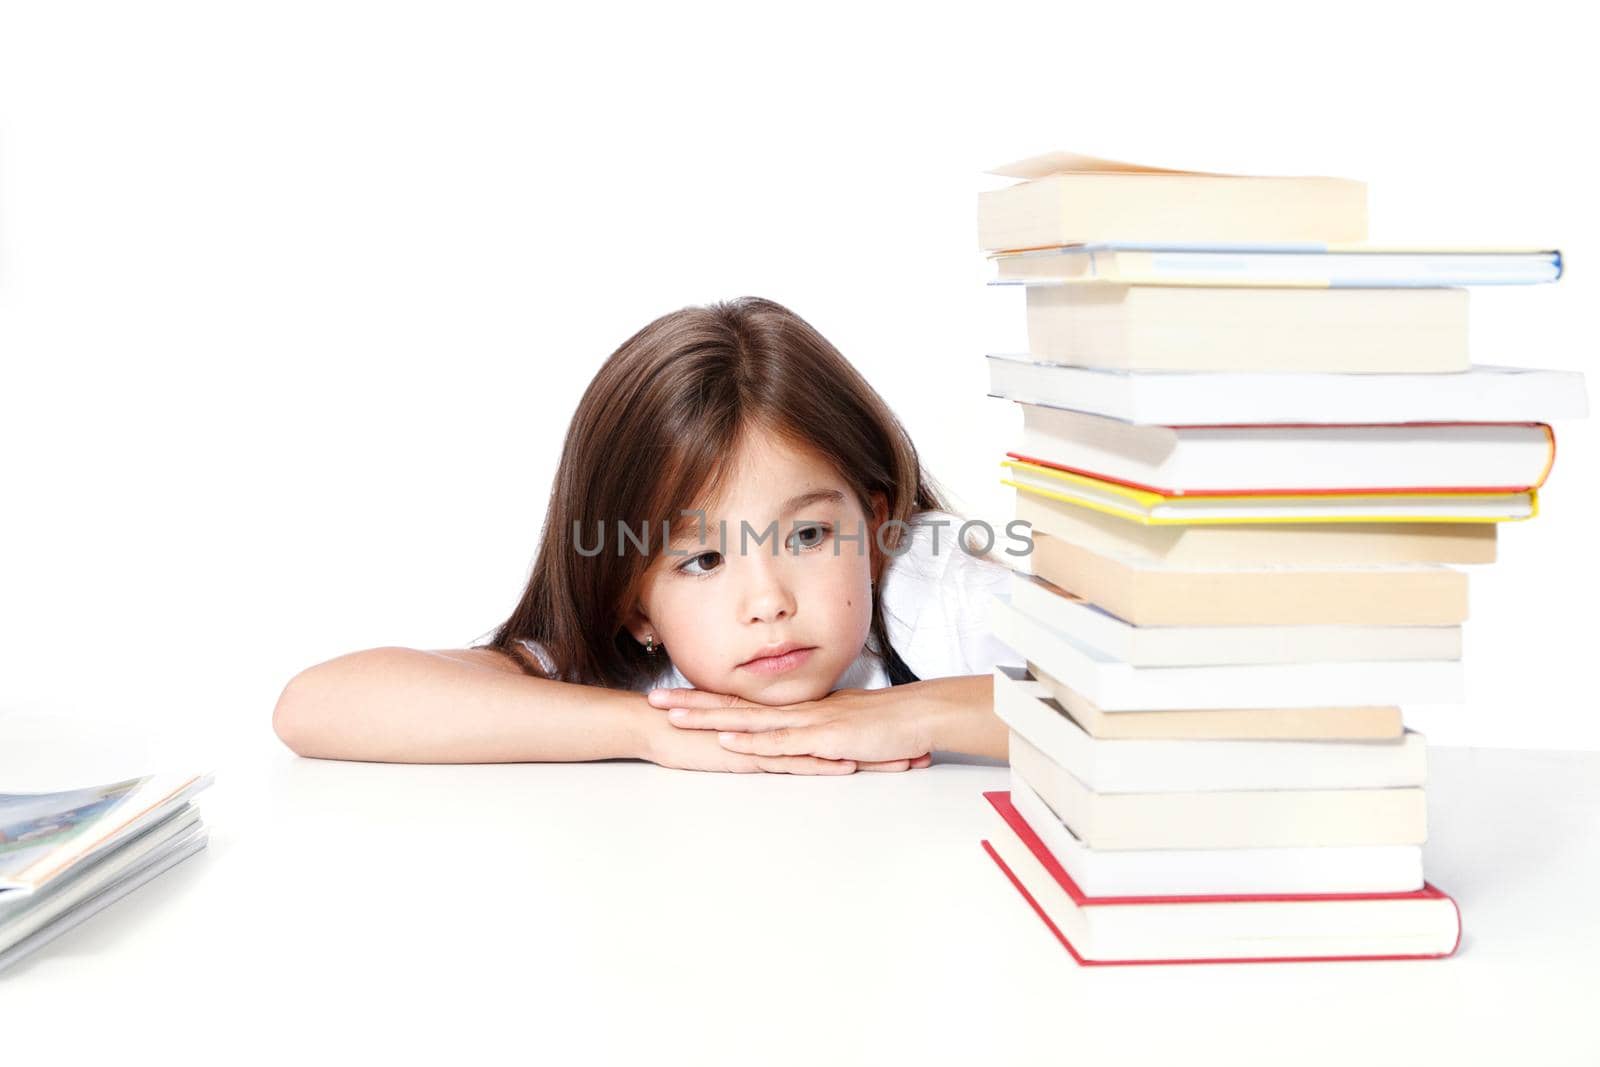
(768, 596)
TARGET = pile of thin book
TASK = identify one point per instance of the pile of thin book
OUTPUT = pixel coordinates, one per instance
(1255, 455)
(66, 855)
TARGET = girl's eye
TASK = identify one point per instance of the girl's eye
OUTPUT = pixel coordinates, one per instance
(811, 538)
(821, 533)
(683, 567)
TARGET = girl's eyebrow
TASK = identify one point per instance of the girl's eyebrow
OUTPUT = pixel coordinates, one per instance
(691, 529)
(816, 496)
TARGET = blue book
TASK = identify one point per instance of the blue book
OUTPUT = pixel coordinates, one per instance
(1288, 264)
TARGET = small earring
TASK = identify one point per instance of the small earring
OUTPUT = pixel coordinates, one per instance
(650, 645)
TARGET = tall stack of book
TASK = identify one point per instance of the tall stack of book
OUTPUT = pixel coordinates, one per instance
(1254, 454)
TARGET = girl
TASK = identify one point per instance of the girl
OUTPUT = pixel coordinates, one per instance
(743, 567)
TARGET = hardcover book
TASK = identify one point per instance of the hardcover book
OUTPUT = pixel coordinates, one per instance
(1420, 924)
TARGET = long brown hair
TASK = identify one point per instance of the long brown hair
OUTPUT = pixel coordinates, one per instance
(650, 440)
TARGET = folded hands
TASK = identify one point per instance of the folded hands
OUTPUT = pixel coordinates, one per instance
(888, 729)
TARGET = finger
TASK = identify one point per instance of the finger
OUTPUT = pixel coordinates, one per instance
(805, 765)
(783, 741)
(924, 760)
(745, 720)
(696, 698)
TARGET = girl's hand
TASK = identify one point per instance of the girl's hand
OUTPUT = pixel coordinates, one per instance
(878, 729)
(696, 750)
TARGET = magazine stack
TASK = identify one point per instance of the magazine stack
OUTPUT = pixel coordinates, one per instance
(66, 855)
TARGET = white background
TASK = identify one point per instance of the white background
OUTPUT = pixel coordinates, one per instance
(296, 298)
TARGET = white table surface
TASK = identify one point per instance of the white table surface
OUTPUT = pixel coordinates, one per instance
(611, 911)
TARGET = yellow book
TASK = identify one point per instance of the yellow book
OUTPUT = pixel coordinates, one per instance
(1143, 506)
(1246, 544)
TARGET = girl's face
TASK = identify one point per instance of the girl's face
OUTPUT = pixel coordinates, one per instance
(767, 569)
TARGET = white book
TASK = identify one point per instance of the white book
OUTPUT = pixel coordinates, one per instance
(1223, 871)
(1484, 393)
(1195, 646)
(1114, 685)
(1201, 766)
(1175, 460)
(1255, 818)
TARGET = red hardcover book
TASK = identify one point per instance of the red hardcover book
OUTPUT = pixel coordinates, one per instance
(1277, 928)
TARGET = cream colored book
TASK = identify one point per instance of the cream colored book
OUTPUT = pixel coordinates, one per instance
(1065, 198)
(1200, 766)
(1242, 724)
(1258, 544)
(1158, 327)
(1253, 818)
(1151, 594)
(1201, 646)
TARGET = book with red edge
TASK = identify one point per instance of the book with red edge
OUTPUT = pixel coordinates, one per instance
(1290, 459)
(1266, 928)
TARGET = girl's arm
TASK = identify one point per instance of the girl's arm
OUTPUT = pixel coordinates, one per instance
(405, 705)
(964, 718)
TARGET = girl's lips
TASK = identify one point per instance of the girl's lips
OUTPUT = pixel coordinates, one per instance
(778, 664)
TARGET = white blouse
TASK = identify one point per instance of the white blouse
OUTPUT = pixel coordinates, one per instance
(936, 607)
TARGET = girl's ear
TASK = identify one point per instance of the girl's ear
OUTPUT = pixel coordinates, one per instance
(879, 516)
(637, 624)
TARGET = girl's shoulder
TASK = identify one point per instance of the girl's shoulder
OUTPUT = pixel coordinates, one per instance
(667, 678)
(481, 655)
(540, 654)
(934, 557)
(937, 598)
